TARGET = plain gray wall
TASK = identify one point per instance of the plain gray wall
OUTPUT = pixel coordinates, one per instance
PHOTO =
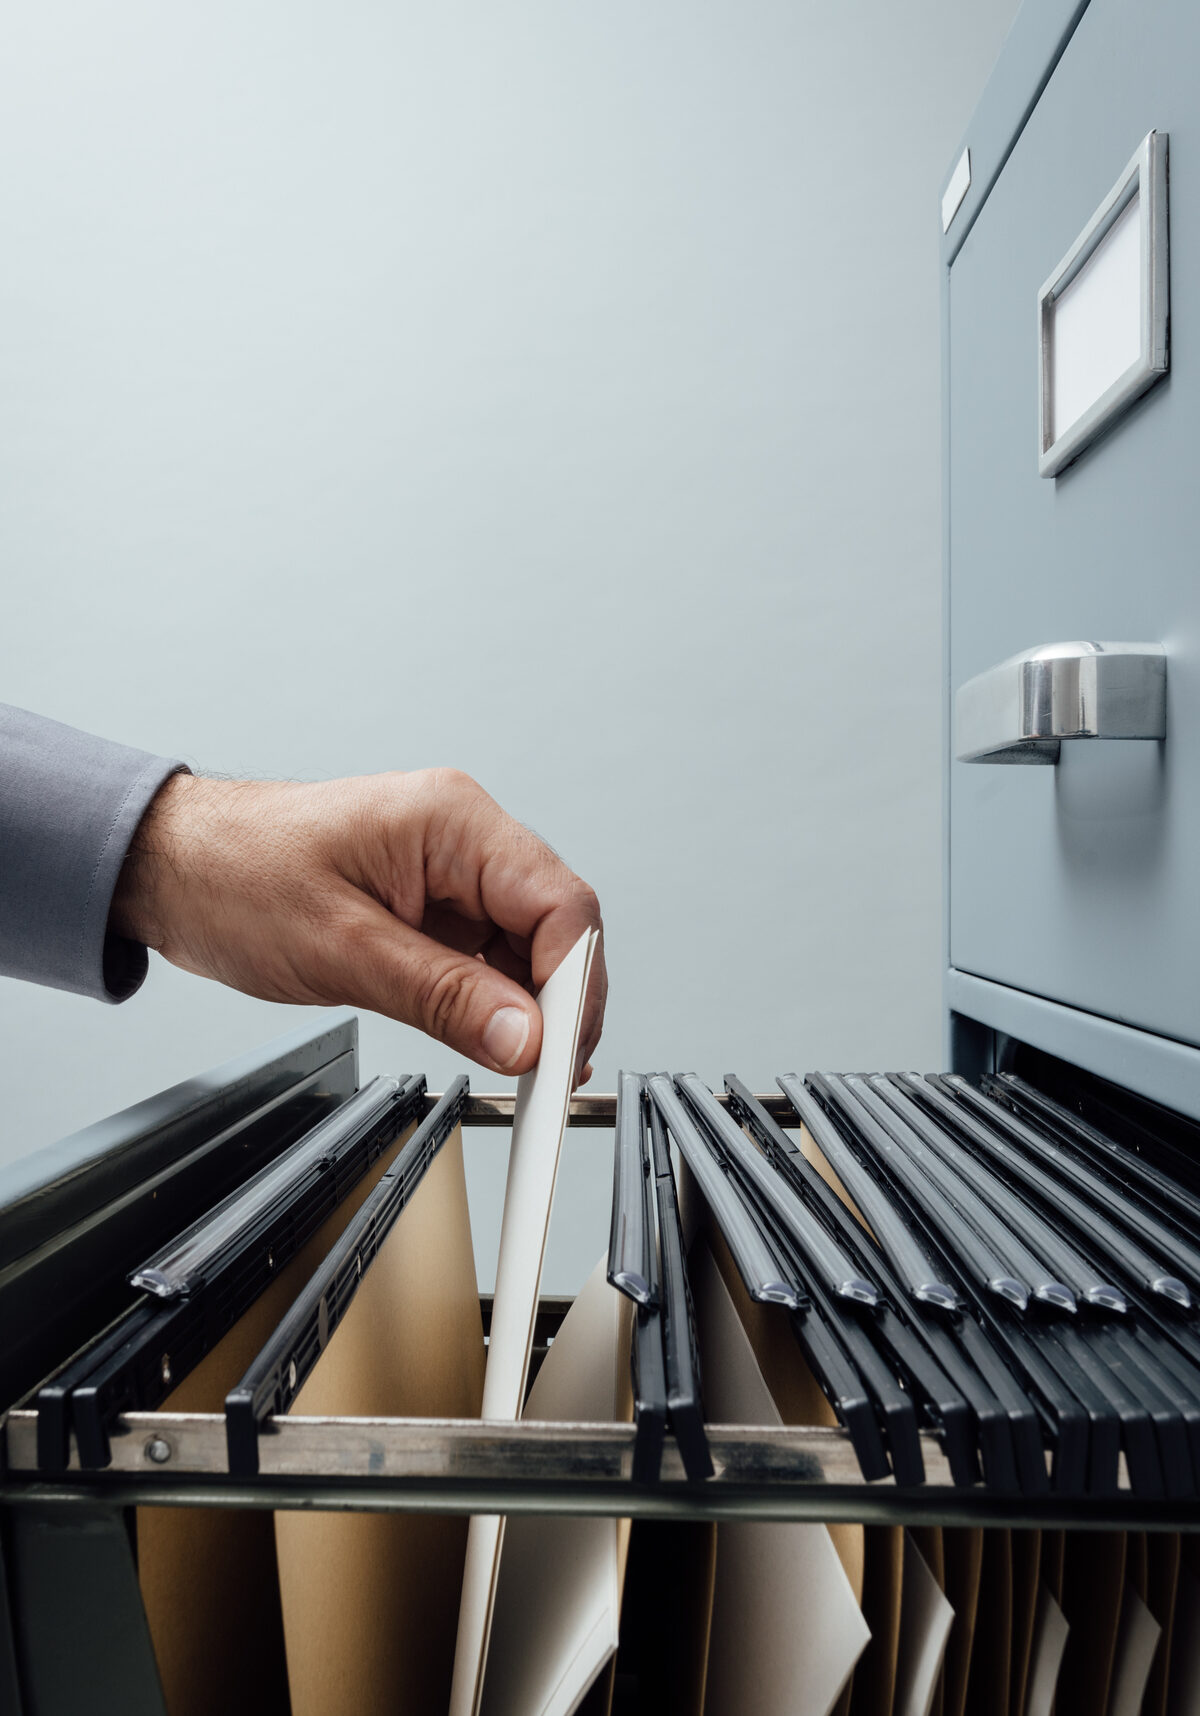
(549, 390)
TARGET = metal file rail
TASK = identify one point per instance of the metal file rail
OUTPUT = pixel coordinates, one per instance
(211, 1275)
(794, 1472)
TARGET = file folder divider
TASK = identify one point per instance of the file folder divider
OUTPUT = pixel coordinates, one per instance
(685, 1407)
(760, 1268)
(1164, 1198)
(633, 1270)
(978, 1249)
(280, 1371)
(1123, 1196)
(1050, 1361)
(976, 1431)
(195, 1255)
(816, 1249)
(1138, 1396)
(631, 1236)
(1164, 1357)
(1008, 1426)
(1082, 1199)
(148, 1351)
(908, 1253)
(664, 1357)
(864, 1393)
(1000, 1222)
(1079, 1272)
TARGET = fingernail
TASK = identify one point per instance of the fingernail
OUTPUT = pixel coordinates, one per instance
(506, 1035)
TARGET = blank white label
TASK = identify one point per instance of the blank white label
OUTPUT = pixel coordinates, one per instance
(956, 190)
(1098, 322)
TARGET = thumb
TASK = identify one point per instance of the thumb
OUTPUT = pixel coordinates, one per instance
(451, 996)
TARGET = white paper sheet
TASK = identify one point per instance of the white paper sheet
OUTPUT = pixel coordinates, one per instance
(558, 1603)
(1138, 1634)
(543, 1096)
(786, 1629)
(925, 1621)
(1050, 1631)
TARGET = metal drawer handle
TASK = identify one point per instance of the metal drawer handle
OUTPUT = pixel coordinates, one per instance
(1021, 710)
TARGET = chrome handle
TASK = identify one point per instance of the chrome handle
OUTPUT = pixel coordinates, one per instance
(1021, 710)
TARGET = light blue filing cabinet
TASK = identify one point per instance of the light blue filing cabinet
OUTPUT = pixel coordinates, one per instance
(1073, 888)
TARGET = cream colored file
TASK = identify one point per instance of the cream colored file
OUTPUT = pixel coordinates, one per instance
(925, 1621)
(558, 1592)
(543, 1098)
(786, 1626)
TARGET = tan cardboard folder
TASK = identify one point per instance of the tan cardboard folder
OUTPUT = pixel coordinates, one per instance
(370, 1600)
(208, 1575)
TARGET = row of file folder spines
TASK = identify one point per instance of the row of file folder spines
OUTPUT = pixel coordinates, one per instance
(891, 1356)
(138, 1362)
(280, 1371)
(1052, 1381)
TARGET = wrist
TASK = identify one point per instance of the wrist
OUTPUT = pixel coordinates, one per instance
(153, 862)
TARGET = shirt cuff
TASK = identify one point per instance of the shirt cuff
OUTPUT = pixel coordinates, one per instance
(70, 804)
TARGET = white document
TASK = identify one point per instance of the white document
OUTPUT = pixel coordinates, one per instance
(558, 1600)
(1050, 1631)
(786, 1629)
(1138, 1634)
(925, 1621)
(1183, 1682)
(543, 1097)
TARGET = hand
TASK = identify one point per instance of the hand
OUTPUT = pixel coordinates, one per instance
(412, 895)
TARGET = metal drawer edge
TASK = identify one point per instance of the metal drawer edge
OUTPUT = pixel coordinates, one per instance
(1160, 1068)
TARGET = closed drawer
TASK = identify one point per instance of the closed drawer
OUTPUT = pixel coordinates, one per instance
(1081, 882)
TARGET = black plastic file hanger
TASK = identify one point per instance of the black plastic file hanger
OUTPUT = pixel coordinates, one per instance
(1156, 1388)
(766, 1280)
(685, 1408)
(135, 1364)
(976, 1251)
(1153, 1189)
(1076, 1265)
(1070, 1271)
(824, 1345)
(1080, 1419)
(818, 1253)
(1008, 1431)
(1117, 1203)
(908, 1256)
(894, 1407)
(631, 1262)
(633, 1270)
(897, 1373)
(287, 1360)
(1003, 1137)
(646, 1263)
(987, 1215)
(201, 1250)
(1179, 1361)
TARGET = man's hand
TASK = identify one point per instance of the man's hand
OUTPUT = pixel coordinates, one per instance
(412, 895)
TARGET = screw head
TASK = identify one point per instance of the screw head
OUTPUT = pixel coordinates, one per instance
(292, 1374)
(158, 1450)
(166, 1367)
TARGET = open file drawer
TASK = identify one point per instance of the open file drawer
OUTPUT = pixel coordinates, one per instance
(75, 1606)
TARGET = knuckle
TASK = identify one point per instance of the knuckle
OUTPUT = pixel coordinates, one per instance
(585, 899)
(441, 997)
(453, 782)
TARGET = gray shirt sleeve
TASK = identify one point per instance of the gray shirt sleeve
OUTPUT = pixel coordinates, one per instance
(69, 806)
